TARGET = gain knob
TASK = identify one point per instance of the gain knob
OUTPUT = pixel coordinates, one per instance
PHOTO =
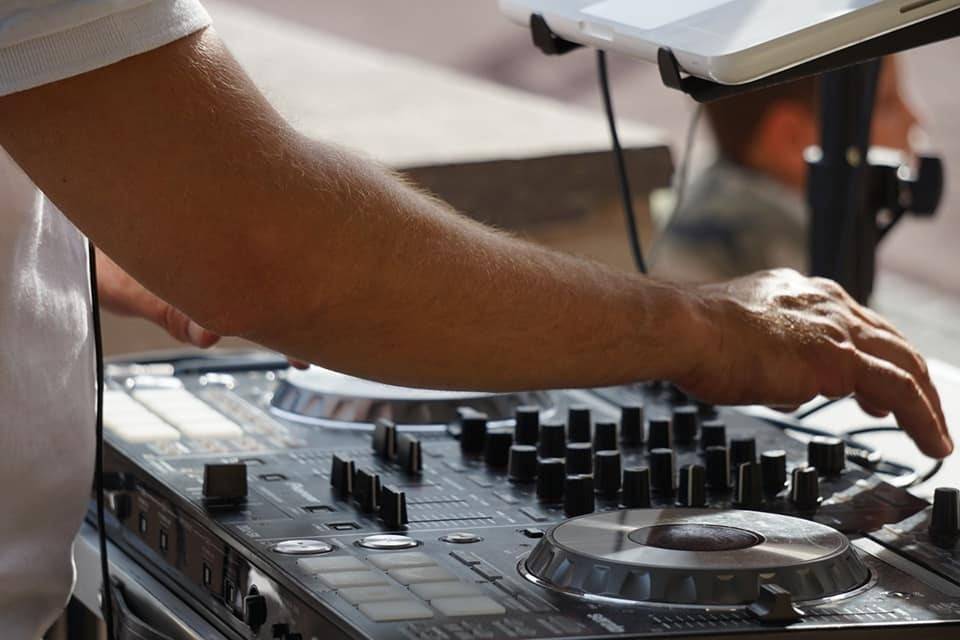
(773, 468)
(496, 449)
(578, 423)
(749, 486)
(660, 434)
(713, 433)
(693, 486)
(805, 489)
(827, 455)
(718, 468)
(473, 433)
(579, 458)
(662, 471)
(551, 475)
(636, 488)
(522, 463)
(527, 425)
(631, 425)
(553, 440)
(578, 497)
(607, 472)
(742, 450)
(685, 425)
(945, 519)
(605, 436)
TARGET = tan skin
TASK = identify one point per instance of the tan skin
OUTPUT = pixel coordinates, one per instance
(181, 171)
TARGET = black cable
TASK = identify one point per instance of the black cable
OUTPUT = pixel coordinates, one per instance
(107, 589)
(633, 233)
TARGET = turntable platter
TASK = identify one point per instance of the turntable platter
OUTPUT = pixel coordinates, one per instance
(694, 557)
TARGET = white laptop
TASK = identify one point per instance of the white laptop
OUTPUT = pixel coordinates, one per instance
(727, 41)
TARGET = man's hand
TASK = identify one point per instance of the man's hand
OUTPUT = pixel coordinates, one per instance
(781, 339)
(123, 295)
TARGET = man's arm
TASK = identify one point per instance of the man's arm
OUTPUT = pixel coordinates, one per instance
(179, 169)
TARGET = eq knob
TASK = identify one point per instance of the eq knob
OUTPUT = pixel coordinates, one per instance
(805, 489)
(579, 458)
(553, 440)
(551, 475)
(827, 455)
(527, 425)
(945, 518)
(636, 488)
(605, 436)
(660, 434)
(496, 451)
(341, 476)
(773, 468)
(742, 450)
(522, 463)
(693, 486)
(366, 490)
(662, 471)
(578, 423)
(226, 483)
(685, 424)
(631, 425)
(718, 468)
(393, 507)
(749, 486)
(607, 467)
(473, 433)
(713, 433)
(578, 495)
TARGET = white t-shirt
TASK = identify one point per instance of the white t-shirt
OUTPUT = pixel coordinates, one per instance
(46, 364)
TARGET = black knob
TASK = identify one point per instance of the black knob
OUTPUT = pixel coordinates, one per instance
(254, 609)
(551, 475)
(578, 423)
(225, 482)
(678, 395)
(827, 455)
(660, 434)
(366, 490)
(341, 476)
(607, 471)
(631, 425)
(636, 488)
(579, 458)
(749, 486)
(393, 507)
(713, 433)
(527, 426)
(605, 436)
(805, 489)
(706, 410)
(685, 423)
(742, 450)
(523, 463)
(773, 468)
(945, 519)
(409, 453)
(553, 440)
(718, 468)
(385, 439)
(473, 433)
(578, 495)
(662, 471)
(693, 486)
(496, 452)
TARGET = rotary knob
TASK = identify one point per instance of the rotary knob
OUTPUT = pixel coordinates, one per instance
(605, 436)
(579, 458)
(660, 434)
(578, 495)
(496, 451)
(773, 468)
(742, 450)
(578, 423)
(713, 433)
(553, 440)
(945, 518)
(226, 483)
(473, 433)
(662, 471)
(522, 463)
(631, 425)
(551, 475)
(636, 488)
(527, 425)
(805, 489)
(718, 468)
(693, 486)
(685, 423)
(607, 471)
(749, 486)
(827, 455)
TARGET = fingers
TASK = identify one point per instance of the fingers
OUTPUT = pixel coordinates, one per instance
(871, 409)
(179, 325)
(298, 364)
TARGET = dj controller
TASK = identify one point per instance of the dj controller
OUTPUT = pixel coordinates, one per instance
(308, 505)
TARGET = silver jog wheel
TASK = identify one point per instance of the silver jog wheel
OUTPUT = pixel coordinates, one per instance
(697, 557)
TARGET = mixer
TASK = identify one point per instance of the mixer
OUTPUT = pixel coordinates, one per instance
(306, 505)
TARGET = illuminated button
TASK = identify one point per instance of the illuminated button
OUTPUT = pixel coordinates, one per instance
(346, 579)
(387, 542)
(401, 560)
(395, 610)
(132, 422)
(475, 606)
(192, 416)
(302, 547)
(359, 595)
(422, 574)
(461, 537)
(431, 590)
(331, 565)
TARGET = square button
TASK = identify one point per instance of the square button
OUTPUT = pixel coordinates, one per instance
(431, 590)
(359, 595)
(345, 579)
(416, 575)
(331, 565)
(390, 561)
(395, 610)
(475, 606)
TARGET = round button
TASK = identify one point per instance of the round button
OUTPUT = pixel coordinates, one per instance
(387, 542)
(302, 547)
(461, 537)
